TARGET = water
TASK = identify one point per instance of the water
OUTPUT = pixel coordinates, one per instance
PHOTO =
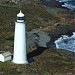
(65, 42)
(68, 3)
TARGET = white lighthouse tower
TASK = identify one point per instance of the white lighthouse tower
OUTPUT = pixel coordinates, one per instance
(19, 55)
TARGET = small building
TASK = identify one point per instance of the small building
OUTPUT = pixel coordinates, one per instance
(5, 56)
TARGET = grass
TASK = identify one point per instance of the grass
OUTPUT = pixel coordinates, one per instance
(49, 62)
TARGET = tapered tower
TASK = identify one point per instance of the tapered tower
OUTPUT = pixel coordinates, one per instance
(19, 55)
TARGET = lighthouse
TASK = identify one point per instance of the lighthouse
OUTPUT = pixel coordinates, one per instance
(19, 54)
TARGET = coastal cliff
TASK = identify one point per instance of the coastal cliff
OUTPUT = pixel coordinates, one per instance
(47, 22)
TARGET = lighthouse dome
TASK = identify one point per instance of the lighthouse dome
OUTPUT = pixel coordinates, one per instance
(20, 14)
(20, 17)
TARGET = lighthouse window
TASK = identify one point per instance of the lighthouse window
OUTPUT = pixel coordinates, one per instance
(20, 18)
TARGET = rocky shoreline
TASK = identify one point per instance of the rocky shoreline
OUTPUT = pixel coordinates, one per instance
(67, 25)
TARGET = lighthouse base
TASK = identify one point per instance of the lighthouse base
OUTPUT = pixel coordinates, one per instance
(18, 62)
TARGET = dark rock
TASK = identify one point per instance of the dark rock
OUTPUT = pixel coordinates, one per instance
(69, 33)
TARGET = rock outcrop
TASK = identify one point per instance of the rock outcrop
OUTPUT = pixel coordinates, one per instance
(37, 38)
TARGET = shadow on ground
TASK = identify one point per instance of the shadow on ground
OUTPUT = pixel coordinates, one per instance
(34, 53)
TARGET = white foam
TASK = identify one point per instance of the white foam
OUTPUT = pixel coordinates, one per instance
(65, 42)
(62, 0)
(67, 4)
(70, 6)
